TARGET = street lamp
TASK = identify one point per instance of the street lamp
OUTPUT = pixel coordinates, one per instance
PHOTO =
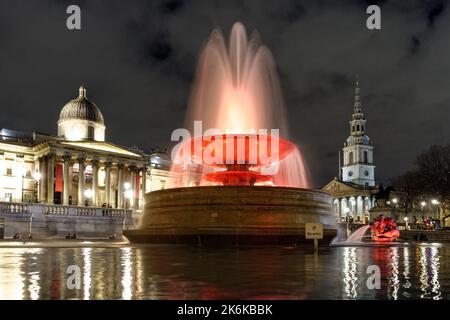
(395, 200)
(88, 194)
(128, 193)
(436, 203)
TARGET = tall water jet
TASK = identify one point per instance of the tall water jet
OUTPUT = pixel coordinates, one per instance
(237, 91)
(240, 179)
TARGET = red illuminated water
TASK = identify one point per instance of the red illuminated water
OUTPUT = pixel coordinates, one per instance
(237, 91)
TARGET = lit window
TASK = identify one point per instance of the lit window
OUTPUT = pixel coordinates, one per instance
(8, 197)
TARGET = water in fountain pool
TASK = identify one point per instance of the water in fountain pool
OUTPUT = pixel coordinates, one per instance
(168, 272)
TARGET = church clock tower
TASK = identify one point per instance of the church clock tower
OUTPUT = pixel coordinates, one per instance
(358, 164)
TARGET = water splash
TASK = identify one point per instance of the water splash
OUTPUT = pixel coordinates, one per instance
(358, 235)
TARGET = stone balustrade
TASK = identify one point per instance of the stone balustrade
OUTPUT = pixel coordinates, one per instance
(61, 210)
(10, 207)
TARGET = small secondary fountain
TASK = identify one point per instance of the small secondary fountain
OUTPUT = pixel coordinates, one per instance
(241, 181)
(358, 235)
(382, 230)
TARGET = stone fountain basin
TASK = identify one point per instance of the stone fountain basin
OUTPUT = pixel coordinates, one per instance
(233, 215)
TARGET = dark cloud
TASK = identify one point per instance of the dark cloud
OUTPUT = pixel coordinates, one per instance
(138, 58)
(434, 10)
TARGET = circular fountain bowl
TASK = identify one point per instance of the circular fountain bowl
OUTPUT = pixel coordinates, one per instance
(233, 215)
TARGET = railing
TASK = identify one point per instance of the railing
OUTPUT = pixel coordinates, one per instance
(10, 207)
(61, 210)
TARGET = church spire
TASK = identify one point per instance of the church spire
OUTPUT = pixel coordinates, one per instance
(357, 107)
(358, 166)
(357, 124)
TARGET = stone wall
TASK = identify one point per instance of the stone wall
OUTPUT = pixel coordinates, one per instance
(55, 221)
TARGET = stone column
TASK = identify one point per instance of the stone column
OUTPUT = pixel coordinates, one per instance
(107, 183)
(364, 210)
(133, 187)
(50, 178)
(344, 212)
(347, 208)
(66, 178)
(356, 212)
(339, 210)
(143, 186)
(43, 181)
(120, 169)
(81, 179)
(95, 183)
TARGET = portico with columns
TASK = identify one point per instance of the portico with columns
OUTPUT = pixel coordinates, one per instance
(74, 175)
(351, 202)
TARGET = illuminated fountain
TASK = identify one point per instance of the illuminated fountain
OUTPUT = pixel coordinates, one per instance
(241, 181)
(382, 230)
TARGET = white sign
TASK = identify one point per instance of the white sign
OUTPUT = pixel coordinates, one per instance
(313, 231)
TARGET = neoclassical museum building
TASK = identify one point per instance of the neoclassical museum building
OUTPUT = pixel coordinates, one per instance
(353, 190)
(77, 166)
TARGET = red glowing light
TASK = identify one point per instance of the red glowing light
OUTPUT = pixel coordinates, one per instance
(253, 149)
(238, 154)
(384, 229)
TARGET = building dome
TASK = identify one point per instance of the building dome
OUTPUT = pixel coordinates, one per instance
(81, 109)
(80, 119)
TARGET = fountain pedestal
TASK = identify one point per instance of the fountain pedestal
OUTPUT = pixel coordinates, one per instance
(233, 215)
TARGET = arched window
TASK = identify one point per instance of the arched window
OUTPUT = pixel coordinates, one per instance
(366, 157)
(350, 157)
(91, 132)
(357, 127)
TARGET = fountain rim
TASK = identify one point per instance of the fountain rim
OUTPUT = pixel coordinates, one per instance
(243, 187)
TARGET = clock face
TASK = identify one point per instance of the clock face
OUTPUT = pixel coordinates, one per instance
(366, 172)
(350, 173)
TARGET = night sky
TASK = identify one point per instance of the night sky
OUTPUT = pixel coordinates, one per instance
(138, 58)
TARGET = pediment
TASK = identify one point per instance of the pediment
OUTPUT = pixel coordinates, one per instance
(336, 186)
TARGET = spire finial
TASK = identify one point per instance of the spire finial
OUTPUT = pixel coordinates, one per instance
(82, 91)
(357, 103)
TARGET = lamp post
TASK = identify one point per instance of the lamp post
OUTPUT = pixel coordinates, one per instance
(435, 203)
(128, 193)
(394, 201)
(347, 219)
(37, 177)
(23, 177)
